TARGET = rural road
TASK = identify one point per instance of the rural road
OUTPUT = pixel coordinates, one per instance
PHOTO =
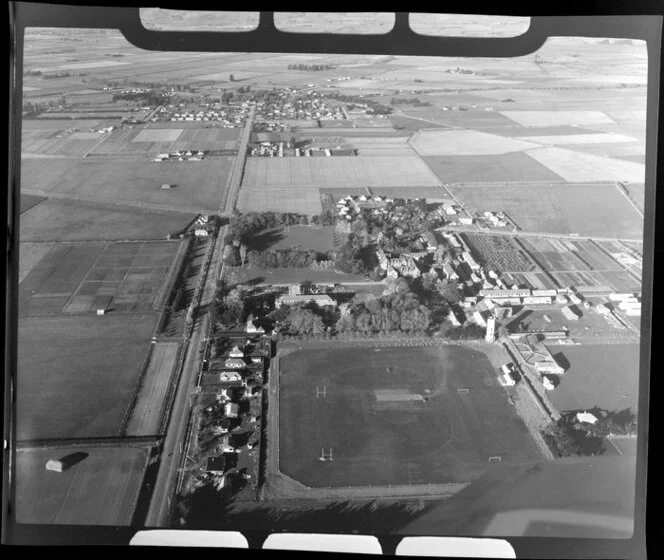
(474, 229)
(235, 177)
(178, 427)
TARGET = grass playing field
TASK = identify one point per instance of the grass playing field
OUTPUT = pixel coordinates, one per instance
(559, 208)
(611, 368)
(76, 375)
(101, 489)
(380, 431)
(149, 403)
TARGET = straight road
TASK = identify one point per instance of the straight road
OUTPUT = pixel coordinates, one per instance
(475, 229)
(172, 456)
(235, 176)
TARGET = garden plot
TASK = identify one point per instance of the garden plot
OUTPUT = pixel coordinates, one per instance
(465, 143)
(578, 167)
(558, 118)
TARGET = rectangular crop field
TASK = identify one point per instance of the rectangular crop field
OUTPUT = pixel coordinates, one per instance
(559, 208)
(298, 199)
(101, 489)
(500, 253)
(69, 220)
(342, 172)
(466, 143)
(604, 375)
(576, 167)
(55, 277)
(30, 254)
(144, 420)
(197, 186)
(76, 375)
(515, 166)
(558, 118)
(432, 434)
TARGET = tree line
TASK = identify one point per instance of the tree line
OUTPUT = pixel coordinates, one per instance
(409, 101)
(286, 258)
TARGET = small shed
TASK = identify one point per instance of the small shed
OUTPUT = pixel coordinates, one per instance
(166, 186)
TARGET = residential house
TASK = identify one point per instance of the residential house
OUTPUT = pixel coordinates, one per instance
(322, 300)
(235, 363)
(231, 410)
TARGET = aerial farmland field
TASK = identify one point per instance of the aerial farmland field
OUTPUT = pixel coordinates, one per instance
(465, 143)
(69, 220)
(342, 172)
(575, 166)
(77, 374)
(197, 186)
(379, 431)
(559, 208)
(55, 277)
(298, 199)
(101, 489)
(515, 166)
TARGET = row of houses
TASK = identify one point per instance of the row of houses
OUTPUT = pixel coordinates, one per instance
(181, 155)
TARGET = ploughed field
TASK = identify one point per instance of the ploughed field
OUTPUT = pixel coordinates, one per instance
(381, 424)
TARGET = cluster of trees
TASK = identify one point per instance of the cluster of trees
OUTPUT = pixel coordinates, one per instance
(405, 221)
(623, 422)
(312, 67)
(150, 85)
(409, 101)
(566, 438)
(145, 97)
(231, 304)
(352, 258)
(399, 309)
(375, 108)
(285, 258)
(243, 226)
(227, 96)
(328, 217)
(55, 75)
(464, 332)
(244, 89)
